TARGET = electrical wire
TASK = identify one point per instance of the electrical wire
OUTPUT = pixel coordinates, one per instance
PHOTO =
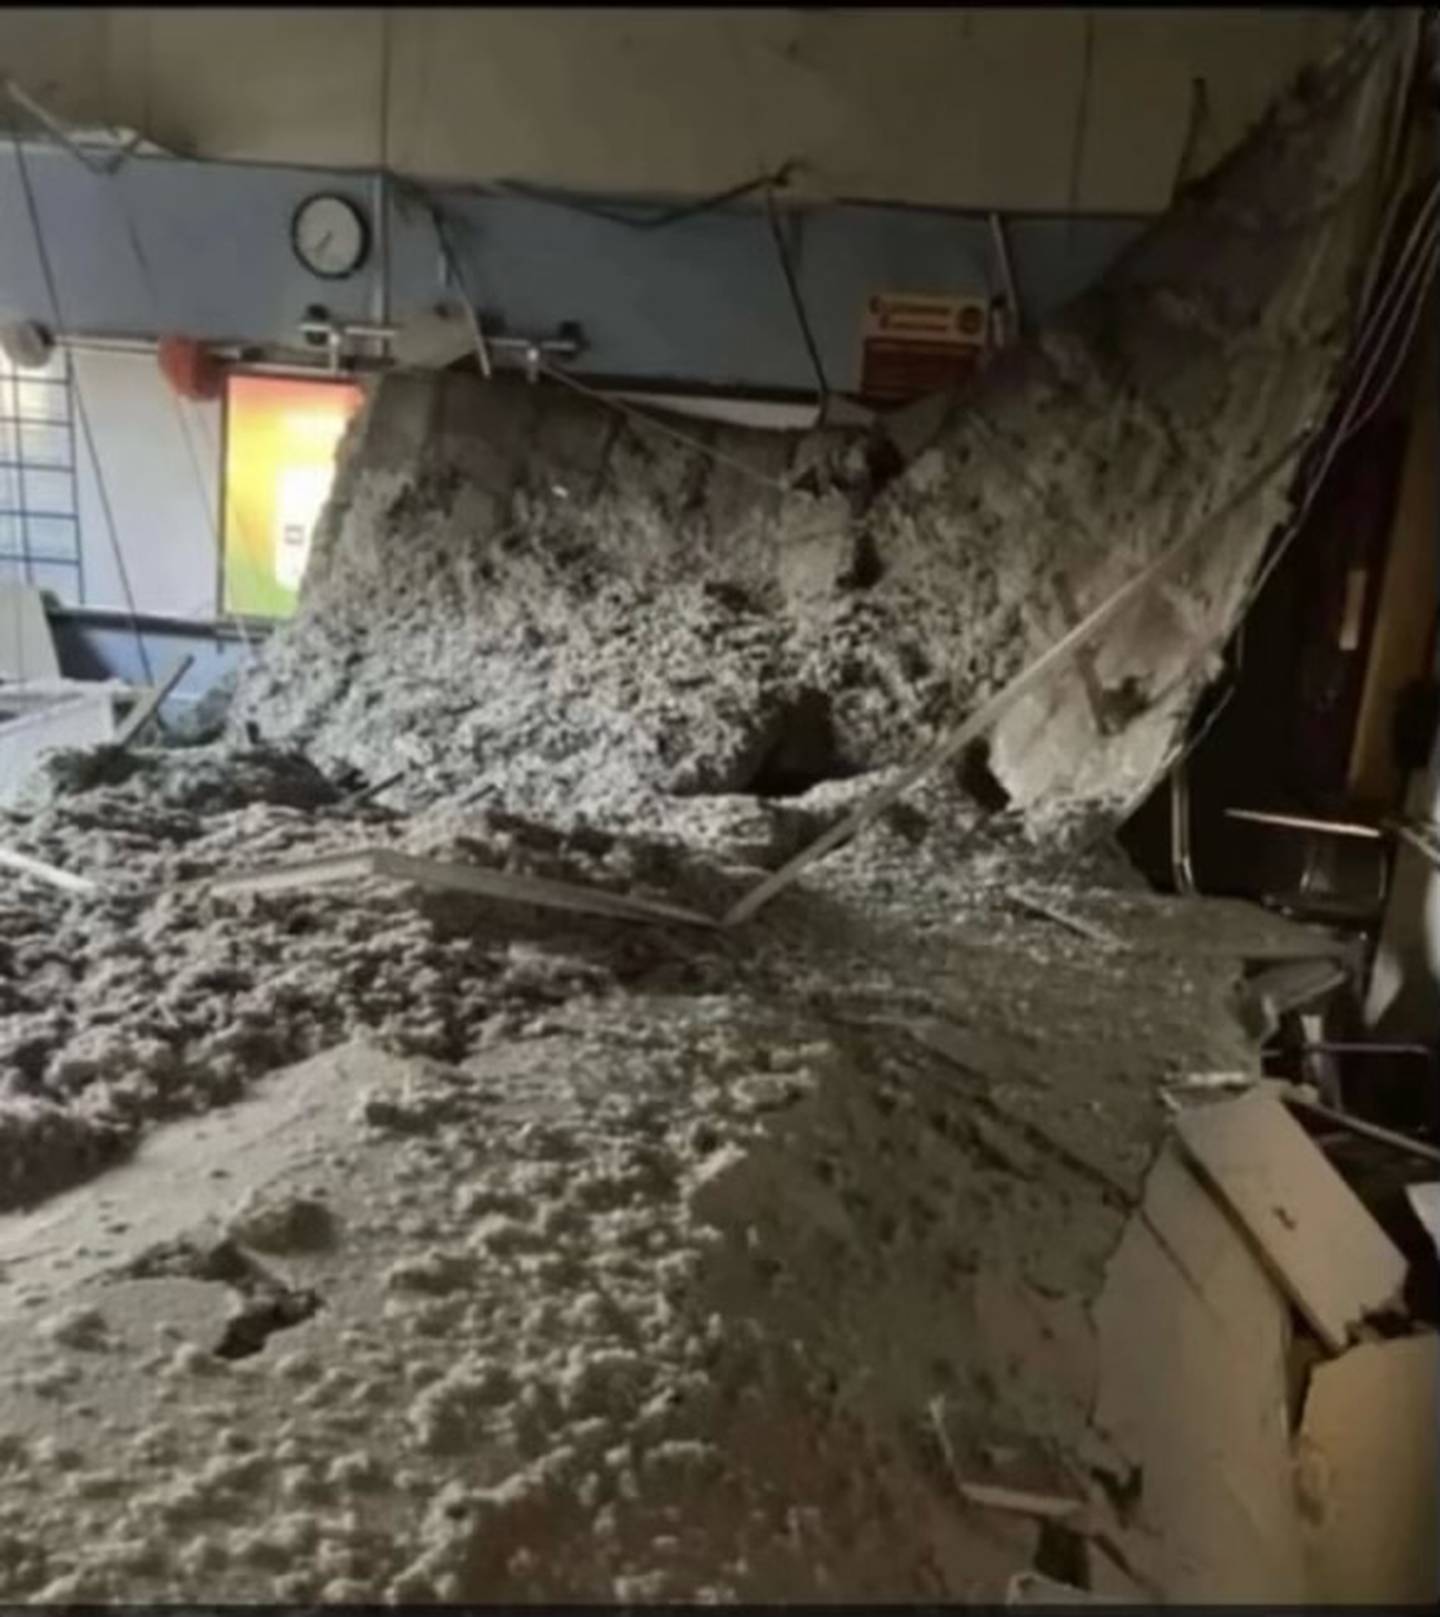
(107, 510)
(1403, 349)
(1420, 228)
(1392, 167)
(660, 221)
(1344, 430)
(453, 274)
(640, 418)
(407, 188)
(212, 518)
(797, 303)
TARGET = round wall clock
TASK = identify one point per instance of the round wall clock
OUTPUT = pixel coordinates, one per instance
(330, 236)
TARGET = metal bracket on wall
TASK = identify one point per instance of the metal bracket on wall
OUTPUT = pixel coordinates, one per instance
(318, 330)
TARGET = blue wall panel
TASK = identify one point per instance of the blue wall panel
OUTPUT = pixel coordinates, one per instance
(702, 300)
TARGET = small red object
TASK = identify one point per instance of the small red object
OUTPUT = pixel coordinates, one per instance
(190, 368)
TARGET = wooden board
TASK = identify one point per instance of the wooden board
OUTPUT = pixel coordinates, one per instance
(149, 704)
(1370, 1457)
(39, 870)
(1192, 1343)
(1325, 1251)
(362, 864)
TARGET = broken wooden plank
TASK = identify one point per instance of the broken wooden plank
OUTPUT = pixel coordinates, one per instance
(40, 871)
(147, 707)
(1324, 1249)
(281, 878)
(1369, 1460)
(1192, 1336)
(361, 864)
(1271, 994)
(541, 890)
(1044, 1506)
(1072, 923)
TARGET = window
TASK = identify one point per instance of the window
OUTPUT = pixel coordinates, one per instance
(39, 513)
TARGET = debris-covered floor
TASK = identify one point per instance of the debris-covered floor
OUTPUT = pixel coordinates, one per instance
(667, 1262)
(367, 1240)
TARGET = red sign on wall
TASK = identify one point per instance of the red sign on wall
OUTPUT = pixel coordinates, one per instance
(914, 344)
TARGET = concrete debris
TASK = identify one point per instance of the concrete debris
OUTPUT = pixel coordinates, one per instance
(506, 1253)
(594, 624)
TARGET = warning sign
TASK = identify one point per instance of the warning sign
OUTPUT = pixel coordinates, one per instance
(914, 344)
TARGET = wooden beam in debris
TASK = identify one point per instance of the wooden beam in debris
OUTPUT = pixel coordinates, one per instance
(149, 704)
(366, 863)
(1324, 1249)
(1071, 923)
(38, 870)
(1023, 1501)
(1370, 1449)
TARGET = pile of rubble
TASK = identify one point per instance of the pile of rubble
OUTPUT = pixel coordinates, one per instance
(593, 1254)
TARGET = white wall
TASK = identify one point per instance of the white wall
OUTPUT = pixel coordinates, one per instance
(1017, 108)
(163, 488)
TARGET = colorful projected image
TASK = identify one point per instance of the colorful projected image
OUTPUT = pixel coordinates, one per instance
(281, 434)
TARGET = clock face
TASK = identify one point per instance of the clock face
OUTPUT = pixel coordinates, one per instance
(330, 236)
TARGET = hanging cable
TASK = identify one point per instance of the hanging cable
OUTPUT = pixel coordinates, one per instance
(1416, 235)
(659, 221)
(1428, 266)
(453, 273)
(641, 419)
(406, 188)
(57, 317)
(797, 303)
(109, 171)
(212, 518)
(1345, 429)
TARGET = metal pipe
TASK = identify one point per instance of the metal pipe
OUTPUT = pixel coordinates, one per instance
(1000, 241)
(1372, 1048)
(1305, 822)
(1370, 1131)
(528, 349)
(232, 353)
